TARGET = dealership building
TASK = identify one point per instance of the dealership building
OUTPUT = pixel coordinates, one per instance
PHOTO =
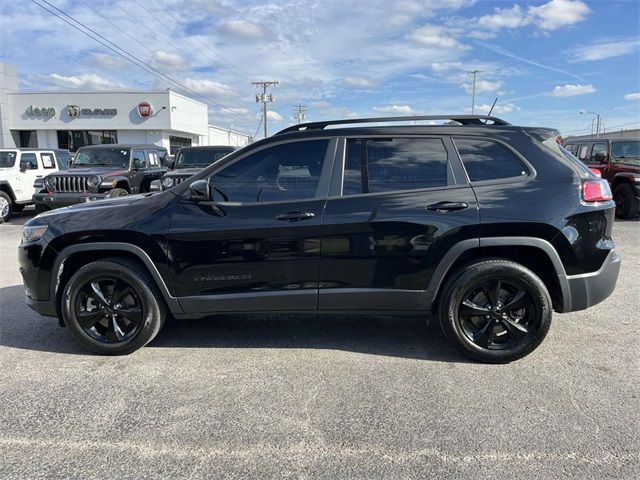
(73, 119)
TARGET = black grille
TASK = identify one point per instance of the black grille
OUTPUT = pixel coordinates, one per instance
(71, 184)
(178, 180)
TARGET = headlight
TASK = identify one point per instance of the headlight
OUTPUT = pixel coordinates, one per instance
(167, 182)
(31, 234)
(51, 181)
(94, 181)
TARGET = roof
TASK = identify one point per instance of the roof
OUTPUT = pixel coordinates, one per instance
(124, 145)
(207, 147)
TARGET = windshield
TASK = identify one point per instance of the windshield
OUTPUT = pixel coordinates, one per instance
(200, 158)
(626, 149)
(106, 157)
(7, 159)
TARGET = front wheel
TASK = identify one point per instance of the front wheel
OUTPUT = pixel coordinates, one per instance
(6, 206)
(117, 192)
(495, 311)
(112, 306)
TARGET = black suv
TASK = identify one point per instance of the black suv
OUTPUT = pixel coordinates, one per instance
(189, 161)
(486, 226)
(102, 171)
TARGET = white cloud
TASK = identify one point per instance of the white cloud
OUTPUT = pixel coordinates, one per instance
(171, 60)
(358, 82)
(605, 49)
(102, 60)
(504, 18)
(86, 81)
(446, 66)
(559, 13)
(632, 96)
(273, 116)
(498, 109)
(243, 29)
(433, 36)
(210, 87)
(484, 86)
(399, 109)
(569, 90)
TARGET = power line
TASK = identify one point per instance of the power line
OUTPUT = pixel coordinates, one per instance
(264, 99)
(610, 128)
(130, 57)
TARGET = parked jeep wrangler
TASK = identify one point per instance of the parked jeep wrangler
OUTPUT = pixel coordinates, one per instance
(618, 160)
(189, 161)
(485, 226)
(19, 169)
(102, 171)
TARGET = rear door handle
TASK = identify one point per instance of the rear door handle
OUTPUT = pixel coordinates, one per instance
(447, 206)
(295, 216)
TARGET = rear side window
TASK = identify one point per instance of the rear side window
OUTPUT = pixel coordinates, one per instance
(488, 160)
(598, 152)
(47, 160)
(390, 164)
(583, 151)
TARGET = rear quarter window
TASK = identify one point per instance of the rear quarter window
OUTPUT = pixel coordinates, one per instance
(486, 160)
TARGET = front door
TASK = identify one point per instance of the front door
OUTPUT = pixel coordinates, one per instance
(257, 246)
(24, 188)
(402, 203)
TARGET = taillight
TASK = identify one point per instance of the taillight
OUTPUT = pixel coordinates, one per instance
(596, 191)
(596, 172)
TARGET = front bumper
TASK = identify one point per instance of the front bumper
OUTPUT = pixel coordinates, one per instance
(589, 289)
(57, 200)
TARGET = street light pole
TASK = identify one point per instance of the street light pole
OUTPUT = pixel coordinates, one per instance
(582, 112)
(473, 91)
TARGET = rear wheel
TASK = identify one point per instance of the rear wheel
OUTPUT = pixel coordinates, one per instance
(627, 204)
(495, 311)
(6, 206)
(112, 306)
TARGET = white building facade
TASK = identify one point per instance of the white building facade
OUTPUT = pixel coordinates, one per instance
(73, 119)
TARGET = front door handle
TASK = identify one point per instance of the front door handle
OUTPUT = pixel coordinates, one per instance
(447, 206)
(295, 216)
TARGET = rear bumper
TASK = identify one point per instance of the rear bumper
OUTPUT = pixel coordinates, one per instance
(589, 289)
(57, 200)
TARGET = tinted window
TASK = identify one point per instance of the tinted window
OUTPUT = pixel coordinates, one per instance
(109, 157)
(284, 172)
(599, 150)
(7, 159)
(139, 160)
(390, 164)
(47, 160)
(200, 158)
(488, 160)
(31, 158)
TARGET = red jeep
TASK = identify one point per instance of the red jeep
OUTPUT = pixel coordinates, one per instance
(618, 159)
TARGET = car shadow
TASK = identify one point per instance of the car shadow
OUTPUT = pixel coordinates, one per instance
(20, 218)
(394, 336)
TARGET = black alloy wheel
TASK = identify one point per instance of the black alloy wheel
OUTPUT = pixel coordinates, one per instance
(495, 310)
(112, 306)
(109, 310)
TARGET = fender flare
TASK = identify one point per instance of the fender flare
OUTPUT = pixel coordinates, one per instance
(172, 302)
(428, 296)
(119, 179)
(624, 177)
(5, 186)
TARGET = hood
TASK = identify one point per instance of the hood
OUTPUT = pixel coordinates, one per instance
(102, 171)
(98, 204)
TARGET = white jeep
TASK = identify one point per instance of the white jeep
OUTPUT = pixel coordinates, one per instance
(19, 169)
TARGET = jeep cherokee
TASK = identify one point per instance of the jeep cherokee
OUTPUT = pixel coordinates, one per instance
(486, 226)
(102, 171)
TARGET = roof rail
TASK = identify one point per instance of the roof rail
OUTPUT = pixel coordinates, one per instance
(463, 119)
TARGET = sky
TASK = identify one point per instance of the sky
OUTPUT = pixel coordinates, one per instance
(544, 61)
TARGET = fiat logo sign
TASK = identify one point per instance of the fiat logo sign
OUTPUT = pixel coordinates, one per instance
(145, 110)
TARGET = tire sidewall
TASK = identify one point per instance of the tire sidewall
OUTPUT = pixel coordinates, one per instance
(7, 217)
(153, 315)
(477, 274)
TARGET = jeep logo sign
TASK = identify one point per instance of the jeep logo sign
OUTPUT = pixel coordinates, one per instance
(42, 112)
(145, 110)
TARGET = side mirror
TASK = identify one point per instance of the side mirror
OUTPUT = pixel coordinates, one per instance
(199, 191)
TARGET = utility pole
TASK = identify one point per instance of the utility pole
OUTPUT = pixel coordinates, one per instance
(598, 120)
(300, 113)
(264, 98)
(473, 94)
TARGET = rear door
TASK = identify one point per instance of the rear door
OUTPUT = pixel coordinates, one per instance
(398, 203)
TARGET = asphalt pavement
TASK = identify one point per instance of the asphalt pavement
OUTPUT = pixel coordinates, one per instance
(330, 397)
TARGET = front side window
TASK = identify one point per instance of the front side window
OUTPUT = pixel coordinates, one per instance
(599, 152)
(47, 160)
(290, 171)
(392, 164)
(104, 157)
(488, 160)
(626, 151)
(7, 159)
(31, 158)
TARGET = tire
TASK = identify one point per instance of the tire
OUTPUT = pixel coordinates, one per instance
(133, 305)
(6, 206)
(18, 207)
(495, 334)
(40, 208)
(117, 192)
(627, 204)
